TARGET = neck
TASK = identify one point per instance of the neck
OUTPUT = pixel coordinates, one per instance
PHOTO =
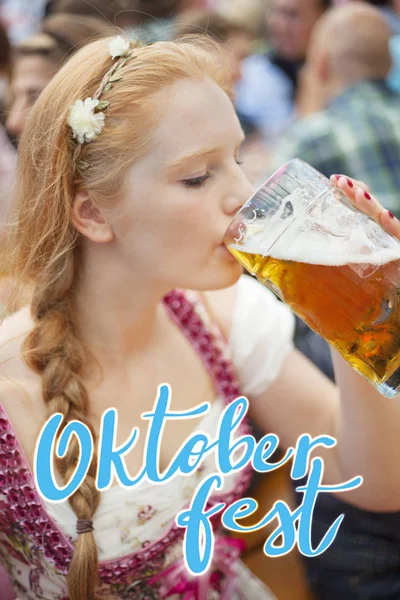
(336, 86)
(119, 309)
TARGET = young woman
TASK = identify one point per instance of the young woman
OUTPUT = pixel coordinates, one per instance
(121, 211)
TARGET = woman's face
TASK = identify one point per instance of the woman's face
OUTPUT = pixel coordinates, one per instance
(31, 74)
(238, 47)
(184, 192)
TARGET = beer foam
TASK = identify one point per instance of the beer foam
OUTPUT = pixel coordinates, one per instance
(306, 250)
(312, 257)
(335, 236)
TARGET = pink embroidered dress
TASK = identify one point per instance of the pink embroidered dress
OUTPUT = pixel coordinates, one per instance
(139, 545)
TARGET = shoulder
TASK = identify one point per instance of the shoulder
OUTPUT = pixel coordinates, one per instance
(234, 308)
(261, 63)
(308, 137)
(317, 125)
(14, 374)
(20, 387)
(259, 329)
(13, 330)
(260, 72)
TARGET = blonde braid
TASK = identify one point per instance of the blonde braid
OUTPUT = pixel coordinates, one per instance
(54, 351)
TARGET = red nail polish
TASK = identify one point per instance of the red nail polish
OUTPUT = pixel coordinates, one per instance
(368, 196)
(391, 215)
(350, 183)
(338, 177)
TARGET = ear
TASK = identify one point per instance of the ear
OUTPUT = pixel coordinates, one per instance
(89, 221)
(323, 68)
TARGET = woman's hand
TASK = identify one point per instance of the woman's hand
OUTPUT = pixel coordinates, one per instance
(358, 194)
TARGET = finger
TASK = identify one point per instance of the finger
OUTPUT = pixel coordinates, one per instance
(368, 204)
(345, 185)
(390, 222)
(363, 200)
(348, 182)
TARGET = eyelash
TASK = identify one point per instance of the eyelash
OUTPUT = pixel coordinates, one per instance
(198, 182)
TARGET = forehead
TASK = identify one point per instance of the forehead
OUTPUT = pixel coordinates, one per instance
(297, 5)
(196, 114)
(33, 68)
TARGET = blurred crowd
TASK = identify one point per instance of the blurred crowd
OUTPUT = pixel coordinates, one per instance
(315, 79)
(309, 83)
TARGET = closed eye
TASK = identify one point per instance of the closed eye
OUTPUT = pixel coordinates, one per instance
(196, 182)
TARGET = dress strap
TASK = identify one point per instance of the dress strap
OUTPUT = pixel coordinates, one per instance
(24, 519)
(190, 313)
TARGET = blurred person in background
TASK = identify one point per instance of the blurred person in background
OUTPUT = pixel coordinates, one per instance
(7, 152)
(235, 37)
(266, 94)
(251, 14)
(148, 20)
(391, 10)
(117, 13)
(5, 67)
(21, 18)
(101, 9)
(39, 57)
(358, 130)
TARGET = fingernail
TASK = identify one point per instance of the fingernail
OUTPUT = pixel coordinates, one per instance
(338, 177)
(391, 215)
(350, 183)
(368, 196)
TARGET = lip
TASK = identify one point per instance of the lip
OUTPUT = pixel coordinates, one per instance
(222, 248)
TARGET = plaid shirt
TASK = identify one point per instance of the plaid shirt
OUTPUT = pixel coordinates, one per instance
(358, 134)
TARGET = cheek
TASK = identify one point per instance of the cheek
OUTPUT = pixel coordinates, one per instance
(173, 223)
(190, 232)
(189, 209)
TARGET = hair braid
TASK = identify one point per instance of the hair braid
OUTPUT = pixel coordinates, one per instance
(54, 351)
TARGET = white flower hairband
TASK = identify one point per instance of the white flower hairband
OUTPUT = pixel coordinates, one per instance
(119, 47)
(84, 118)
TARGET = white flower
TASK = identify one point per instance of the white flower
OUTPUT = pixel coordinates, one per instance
(84, 122)
(118, 47)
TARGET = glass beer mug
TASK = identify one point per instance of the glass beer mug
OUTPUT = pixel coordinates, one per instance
(336, 268)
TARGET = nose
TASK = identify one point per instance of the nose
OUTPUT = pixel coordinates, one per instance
(236, 70)
(15, 122)
(240, 192)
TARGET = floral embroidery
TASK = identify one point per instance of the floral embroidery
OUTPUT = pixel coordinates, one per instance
(146, 513)
(188, 492)
(139, 590)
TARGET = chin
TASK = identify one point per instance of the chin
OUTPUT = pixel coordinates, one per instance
(218, 278)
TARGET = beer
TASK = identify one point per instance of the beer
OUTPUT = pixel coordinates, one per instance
(353, 303)
(337, 269)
